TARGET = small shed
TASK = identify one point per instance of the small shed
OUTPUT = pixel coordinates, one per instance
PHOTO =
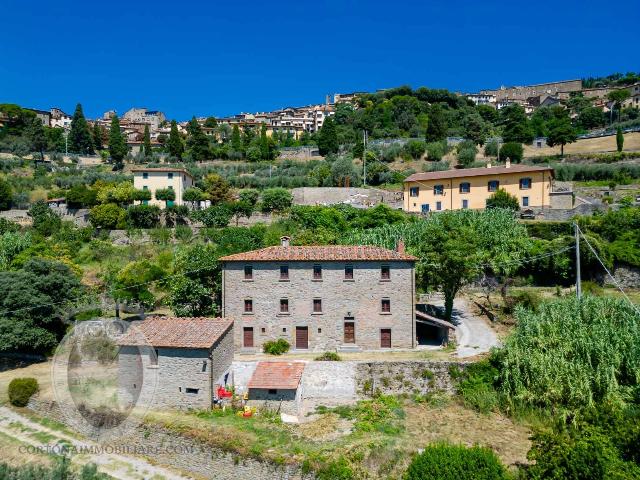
(277, 381)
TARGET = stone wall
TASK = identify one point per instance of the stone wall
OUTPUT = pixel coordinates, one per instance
(359, 298)
(355, 196)
(626, 276)
(408, 377)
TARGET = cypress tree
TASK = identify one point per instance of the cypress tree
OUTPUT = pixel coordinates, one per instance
(174, 143)
(236, 141)
(328, 138)
(147, 141)
(38, 137)
(264, 143)
(437, 125)
(197, 141)
(80, 139)
(117, 146)
(97, 136)
(619, 139)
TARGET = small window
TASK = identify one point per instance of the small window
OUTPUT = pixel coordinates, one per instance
(248, 272)
(317, 305)
(192, 390)
(284, 305)
(465, 203)
(273, 391)
(386, 305)
(284, 329)
(145, 175)
(319, 330)
(263, 330)
(438, 189)
(525, 183)
(145, 188)
(385, 272)
(425, 208)
(348, 272)
(170, 175)
(493, 185)
(525, 201)
(248, 306)
(465, 187)
(414, 191)
(438, 205)
(317, 272)
(284, 272)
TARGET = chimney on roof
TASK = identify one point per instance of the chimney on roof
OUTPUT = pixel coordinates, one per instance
(507, 163)
(284, 241)
(488, 164)
(400, 246)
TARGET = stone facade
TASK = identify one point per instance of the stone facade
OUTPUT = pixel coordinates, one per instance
(357, 300)
(524, 92)
(181, 377)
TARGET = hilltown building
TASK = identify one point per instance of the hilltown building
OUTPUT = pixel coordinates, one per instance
(321, 297)
(153, 118)
(472, 187)
(154, 179)
(174, 362)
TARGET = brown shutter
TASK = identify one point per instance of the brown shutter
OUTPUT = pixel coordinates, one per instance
(385, 338)
(302, 337)
(248, 337)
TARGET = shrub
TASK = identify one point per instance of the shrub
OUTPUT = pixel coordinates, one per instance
(21, 389)
(108, 216)
(143, 216)
(525, 298)
(513, 151)
(276, 200)
(276, 347)
(328, 357)
(491, 149)
(466, 155)
(476, 386)
(415, 149)
(503, 199)
(442, 461)
(435, 151)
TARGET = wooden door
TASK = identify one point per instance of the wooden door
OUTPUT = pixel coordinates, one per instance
(349, 332)
(248, 337)
(302, 337)
(385, 338)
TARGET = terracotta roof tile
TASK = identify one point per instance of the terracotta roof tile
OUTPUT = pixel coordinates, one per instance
(319, 253)
(159, 169)
(283, 375)
(474, 172)
(176, 332)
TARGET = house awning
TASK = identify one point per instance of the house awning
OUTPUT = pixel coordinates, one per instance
(429, 320)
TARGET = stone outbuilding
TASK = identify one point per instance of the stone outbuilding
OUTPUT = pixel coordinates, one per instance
(174, 362)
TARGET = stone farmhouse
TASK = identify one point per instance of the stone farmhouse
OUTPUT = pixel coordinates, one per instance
(153, 179)
(472, 187)
(174, 362)
(320, 298)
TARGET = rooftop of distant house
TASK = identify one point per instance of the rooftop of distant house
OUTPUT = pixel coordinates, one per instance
(176, 332)
(159, 169)
(476, 172)
(318, 253)
(278, 375)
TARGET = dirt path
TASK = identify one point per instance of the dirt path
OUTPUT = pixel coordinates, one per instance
(118, 466)
(475, 336)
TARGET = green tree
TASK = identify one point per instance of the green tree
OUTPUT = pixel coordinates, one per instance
(438, 125)
(215, 216)
(618, 97)
(174, 143)
(193, 195)
(217, 188)
(197, 141)
(55, 139)
(503, 199)
(591, 117)
(98, 136)
(241, 209)
(6, 195)
(131, 284)
(513, 151)
(45, 221)
(561, 131)
(249, 195)
(211, 122)
(276, 200)
(38, 137)
(475, 128)
(80, 139)
(415, 148)
(117, 146)
(33, 304)
(143, 216)
(108, 216)
(619, 139)
(147, 142)
(516, 127)
(236, 140)
(328, 138)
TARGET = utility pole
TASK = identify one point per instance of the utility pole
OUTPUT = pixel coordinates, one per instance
(364, 158)
(578, 279)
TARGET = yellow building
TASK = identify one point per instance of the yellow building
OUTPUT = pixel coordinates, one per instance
(471, 187)
(152, 179)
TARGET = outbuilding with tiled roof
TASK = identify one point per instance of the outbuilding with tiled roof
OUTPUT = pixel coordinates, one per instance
(174, 362)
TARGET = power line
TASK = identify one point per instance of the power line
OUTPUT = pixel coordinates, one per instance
(635, 307)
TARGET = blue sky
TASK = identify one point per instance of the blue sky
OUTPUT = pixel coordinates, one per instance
(218, 58)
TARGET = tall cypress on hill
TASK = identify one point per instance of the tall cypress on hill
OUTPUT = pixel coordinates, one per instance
(147, 141)
(97, 136)
(328, 138)
(117, 145)
(197, 141)
(80, 138)
(174, 143)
